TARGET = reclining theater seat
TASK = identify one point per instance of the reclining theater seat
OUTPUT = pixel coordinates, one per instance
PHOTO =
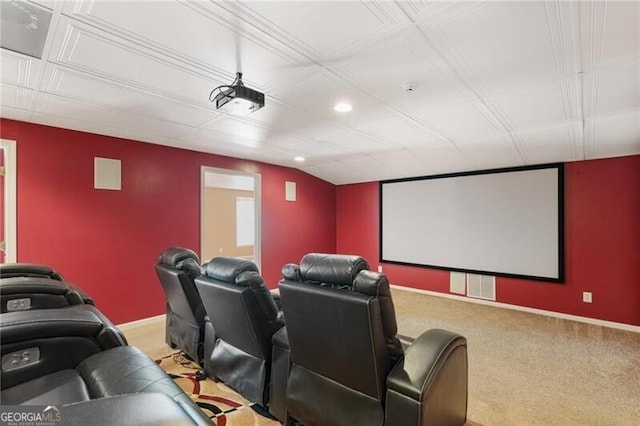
(31, 286)
(75, 358)
(244, 316)
(176, 270)
(348, 366)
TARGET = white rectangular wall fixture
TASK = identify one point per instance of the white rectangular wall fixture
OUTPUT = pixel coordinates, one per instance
(107, 174)
(481, 286)
(289, 191)
(457, 283)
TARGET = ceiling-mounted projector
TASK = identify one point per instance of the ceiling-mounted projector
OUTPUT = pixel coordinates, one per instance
(237, 99)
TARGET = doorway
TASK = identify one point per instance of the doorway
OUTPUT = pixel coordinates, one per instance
(8, 243)
(229, 215)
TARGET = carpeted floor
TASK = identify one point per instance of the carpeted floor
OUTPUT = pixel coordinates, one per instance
(529, 369)
(524, 369)
(220, 403)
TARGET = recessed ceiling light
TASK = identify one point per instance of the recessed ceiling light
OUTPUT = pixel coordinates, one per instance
(343, 107)
(299, 159)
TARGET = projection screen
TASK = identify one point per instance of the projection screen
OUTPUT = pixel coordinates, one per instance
(500, 222)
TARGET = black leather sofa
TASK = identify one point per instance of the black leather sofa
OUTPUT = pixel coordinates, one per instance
(75, 359)
(343, 362)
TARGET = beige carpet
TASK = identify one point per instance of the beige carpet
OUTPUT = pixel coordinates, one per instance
(528, 369)
(524, 369)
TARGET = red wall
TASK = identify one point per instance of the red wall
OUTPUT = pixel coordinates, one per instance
(108, 241)
(602, 244)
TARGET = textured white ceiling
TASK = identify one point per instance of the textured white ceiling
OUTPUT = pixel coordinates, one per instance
(496, 84)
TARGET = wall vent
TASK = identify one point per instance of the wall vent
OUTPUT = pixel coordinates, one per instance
(457, 282)
(481, 286)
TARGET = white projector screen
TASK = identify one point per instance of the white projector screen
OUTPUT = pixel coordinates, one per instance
(501, 222)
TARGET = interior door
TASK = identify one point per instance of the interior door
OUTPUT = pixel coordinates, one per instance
(8, 240)
(230, 214)
(3, 243)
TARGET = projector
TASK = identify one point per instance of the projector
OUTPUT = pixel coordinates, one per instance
(238, 99)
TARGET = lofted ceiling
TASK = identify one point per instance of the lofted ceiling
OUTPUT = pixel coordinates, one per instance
(495, 84)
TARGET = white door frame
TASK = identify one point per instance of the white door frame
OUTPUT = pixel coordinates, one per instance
(9, 148)
(257, 195)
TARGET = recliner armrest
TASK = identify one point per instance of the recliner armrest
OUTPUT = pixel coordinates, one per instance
(74, 321)
(148, 409)
(429, 385)
(55, 339)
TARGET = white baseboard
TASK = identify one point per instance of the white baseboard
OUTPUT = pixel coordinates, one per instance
(143, 321)
(593, 321)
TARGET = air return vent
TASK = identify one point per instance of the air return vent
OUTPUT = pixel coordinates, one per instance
(24, 27)
(481, 286)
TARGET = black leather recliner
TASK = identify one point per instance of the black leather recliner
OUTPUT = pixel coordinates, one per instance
(25, 286)
(244, 316)
(176, 269)
(347, 366)
(75, 359)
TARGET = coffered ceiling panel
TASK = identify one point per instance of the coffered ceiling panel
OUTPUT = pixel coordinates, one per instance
(398, 164)
(464, 122)
(78, 47)
(333, 172)
(220, 143)
(282, 119)
(443, 159)
(200, 34)
(605, 93)
(101, 127)
(75, 85)
(319, 27)
(436, 12)
(609, 31)
(539, 105)
(238, 128)
(319, 94)
(405, 72)
(504, 45)
(491, 153)
(18, 69)
(551, 144)
(435, 87)
(13, 113)
(614, 135)
(17, 97)
(350, 141)
(93, 113)
(401, 132)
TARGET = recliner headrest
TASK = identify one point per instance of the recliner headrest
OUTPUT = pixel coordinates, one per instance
(371, 283)
(175, 256)
(182, 258)
(291, 271)
(228, 269)
(250, 279)
(332, 269)
(10, 270)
